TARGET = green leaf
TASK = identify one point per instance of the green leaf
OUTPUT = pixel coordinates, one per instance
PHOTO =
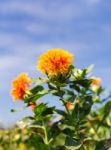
(57, 93)
(37, 89)
(43, 110)
(100, 90)
(83, 108)
(39, 80)
(103, 145)
(36, 126)
(61, 112)
(104, 112)
(45, 147)
(68, 131)
(38, 110)
(84, 82)
(107, 107)
(36, 141)
(79, 74)
(86, 105)
(89, 69)
(72, 143)
(52, 86)
(41, 94)
(70, 92)
(48, 111)
(75, 87)
(75, 112)
(55, 130)
(35, 97)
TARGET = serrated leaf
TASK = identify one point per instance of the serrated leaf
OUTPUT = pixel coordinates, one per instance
(35, 97)
(61, 112)
(37, 89)
(38, 110)
(103, 144)
(75, 87)
(89, 69)
(68, 131)
(39, 80)
(48, 111)
(72, 144)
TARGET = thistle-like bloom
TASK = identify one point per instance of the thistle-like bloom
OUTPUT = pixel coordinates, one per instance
(95, 84)
(55, 62)
(95, 81)
(69, 106)
(19, 86)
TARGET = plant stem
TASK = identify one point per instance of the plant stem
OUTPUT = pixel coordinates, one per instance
(68, 112)
(61, 99)
(46, 141)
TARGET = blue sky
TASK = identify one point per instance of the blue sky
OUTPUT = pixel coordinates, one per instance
(30, 27)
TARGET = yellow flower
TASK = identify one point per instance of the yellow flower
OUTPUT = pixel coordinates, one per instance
(20, 86)
(55, 62)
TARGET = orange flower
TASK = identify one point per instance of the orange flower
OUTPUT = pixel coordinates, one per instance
(96, 81)
(95, 84)
(19, 86)
(69, 106)
(55, 62)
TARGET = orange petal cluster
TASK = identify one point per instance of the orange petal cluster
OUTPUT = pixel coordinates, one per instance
(69, 106)
(95, 81)
(19, 86)
(55, 62)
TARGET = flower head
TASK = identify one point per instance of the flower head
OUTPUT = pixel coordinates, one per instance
(55, 62)
(95, 81)
(69, 106)
(19, 86)
(95, 84)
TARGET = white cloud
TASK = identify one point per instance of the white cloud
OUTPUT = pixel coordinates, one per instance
(9, 61)
(54, 11)
(37, 28)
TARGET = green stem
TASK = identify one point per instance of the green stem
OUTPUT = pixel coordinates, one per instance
(68, 112)
(46, 136)
(61, 99)
(70, 117)
(46, 140)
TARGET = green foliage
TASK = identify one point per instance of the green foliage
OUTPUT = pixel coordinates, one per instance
(71, 143)
(79, 125)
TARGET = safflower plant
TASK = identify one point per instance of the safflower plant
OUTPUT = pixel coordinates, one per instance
(79, 125)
